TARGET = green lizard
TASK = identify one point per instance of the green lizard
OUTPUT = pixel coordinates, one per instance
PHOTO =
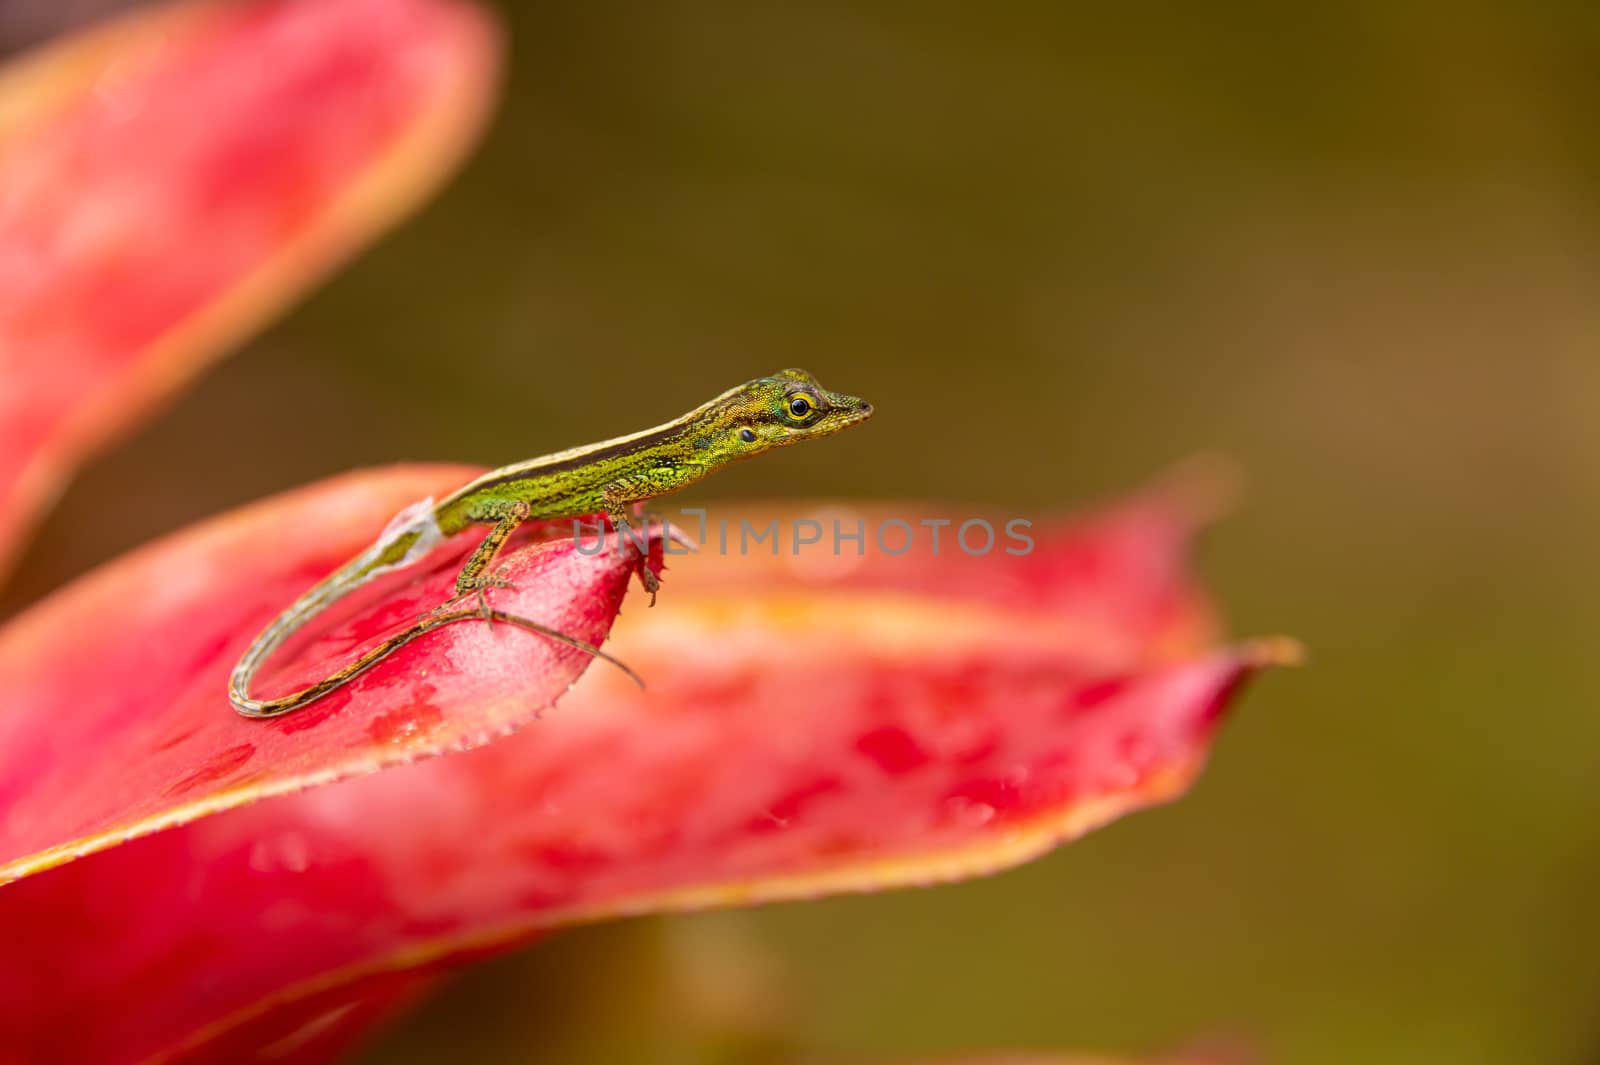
(605, 478)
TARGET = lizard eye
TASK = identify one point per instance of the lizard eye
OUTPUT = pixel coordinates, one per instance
(801, 406)
(747, 435)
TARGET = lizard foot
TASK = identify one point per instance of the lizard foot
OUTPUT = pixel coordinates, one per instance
(648, 578)
(479, 587)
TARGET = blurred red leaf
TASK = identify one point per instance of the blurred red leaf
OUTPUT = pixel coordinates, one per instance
(812, 724)
(170, 181)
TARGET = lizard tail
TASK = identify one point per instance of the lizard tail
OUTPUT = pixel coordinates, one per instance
(238, 686)
(413, 533)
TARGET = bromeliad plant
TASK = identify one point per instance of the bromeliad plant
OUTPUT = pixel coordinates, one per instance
(202, 887)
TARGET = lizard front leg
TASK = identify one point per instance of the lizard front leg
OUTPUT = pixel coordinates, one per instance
(620, 495)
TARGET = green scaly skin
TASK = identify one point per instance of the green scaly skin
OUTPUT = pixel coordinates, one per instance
(606, 478)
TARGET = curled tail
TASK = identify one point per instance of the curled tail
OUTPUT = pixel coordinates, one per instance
(283, 704)
(412, 534)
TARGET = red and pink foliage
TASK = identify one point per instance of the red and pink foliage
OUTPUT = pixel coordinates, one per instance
(171, 181)
(194, 886)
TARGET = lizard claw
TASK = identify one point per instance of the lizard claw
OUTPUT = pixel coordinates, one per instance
(648, 578)
(478, 586)
(484, 581)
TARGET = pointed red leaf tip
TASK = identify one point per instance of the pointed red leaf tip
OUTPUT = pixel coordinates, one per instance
(117, 721)
(811, 724)
(171, 180)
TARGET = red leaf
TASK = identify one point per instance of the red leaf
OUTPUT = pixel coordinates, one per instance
(169, 182)
(806, 729)
(118, 722)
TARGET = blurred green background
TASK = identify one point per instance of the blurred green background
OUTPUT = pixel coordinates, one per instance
(1059, 246)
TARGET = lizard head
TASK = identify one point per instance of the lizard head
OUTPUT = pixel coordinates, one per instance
(786, 408)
